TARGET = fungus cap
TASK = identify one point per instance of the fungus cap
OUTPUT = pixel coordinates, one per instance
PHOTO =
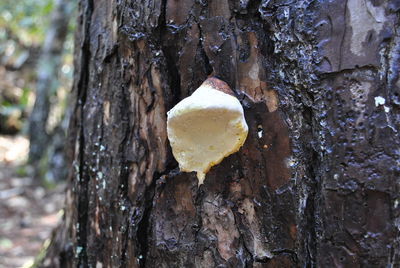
(206, 127)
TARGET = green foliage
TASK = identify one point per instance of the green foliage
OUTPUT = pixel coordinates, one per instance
(23, 27)
(21, 171)
(12, 108)
(25, 19)
(23, 101)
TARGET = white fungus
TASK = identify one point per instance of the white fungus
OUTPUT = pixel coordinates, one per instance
(206, 127)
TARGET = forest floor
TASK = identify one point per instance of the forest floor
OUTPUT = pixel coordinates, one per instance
(28, 211)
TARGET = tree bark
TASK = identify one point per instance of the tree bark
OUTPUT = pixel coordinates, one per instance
(316, 183)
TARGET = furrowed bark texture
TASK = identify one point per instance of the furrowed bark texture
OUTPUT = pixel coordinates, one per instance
(316, 183)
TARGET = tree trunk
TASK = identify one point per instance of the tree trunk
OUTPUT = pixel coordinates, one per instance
(316, 183)
(46, 86)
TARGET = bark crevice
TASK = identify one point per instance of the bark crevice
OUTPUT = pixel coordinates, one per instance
(83, 199)
(144, 225)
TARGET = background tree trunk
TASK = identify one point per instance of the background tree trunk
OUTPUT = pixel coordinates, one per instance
(46, 86)
(316, 183)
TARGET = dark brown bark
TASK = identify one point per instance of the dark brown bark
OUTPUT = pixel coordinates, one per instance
(316, 183)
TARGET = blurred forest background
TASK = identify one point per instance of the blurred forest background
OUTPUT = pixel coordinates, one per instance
(36, 45)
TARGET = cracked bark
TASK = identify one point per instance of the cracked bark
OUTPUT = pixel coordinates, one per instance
(316, 183)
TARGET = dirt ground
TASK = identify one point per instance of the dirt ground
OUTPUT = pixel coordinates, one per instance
(28, 211)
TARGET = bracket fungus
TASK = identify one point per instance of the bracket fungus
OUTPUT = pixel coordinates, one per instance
(206, 127)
